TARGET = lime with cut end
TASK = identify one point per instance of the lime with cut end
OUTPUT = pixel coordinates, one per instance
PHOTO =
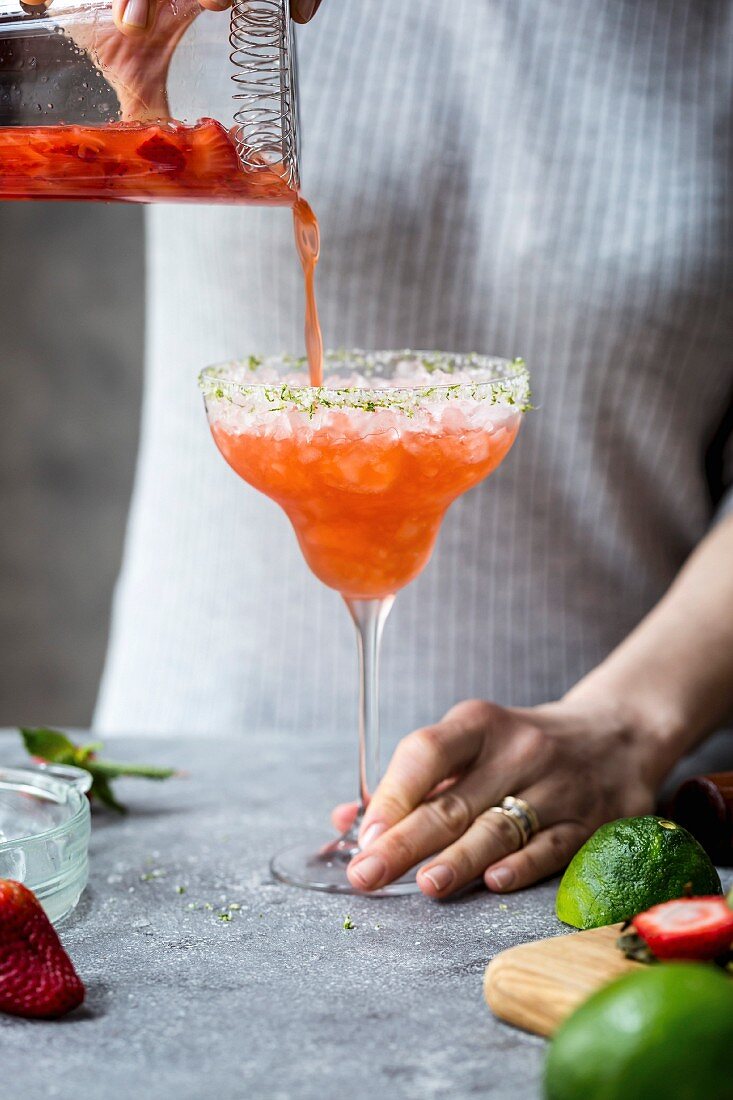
(662, 1033)
(629, 865)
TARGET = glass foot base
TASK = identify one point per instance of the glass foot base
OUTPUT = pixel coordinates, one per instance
(324, 868)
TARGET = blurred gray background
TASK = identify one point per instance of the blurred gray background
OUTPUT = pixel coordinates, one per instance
(71, 332)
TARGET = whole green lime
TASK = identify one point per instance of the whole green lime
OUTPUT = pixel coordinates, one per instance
(662, 1033)
(629, 865)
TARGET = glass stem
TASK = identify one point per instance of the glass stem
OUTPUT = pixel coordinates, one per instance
(369, 618)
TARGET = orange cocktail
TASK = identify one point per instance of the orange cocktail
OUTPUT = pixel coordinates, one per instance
(365, 468)
(366, 489)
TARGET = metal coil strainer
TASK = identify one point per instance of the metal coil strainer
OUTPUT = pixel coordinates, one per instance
(263, 56)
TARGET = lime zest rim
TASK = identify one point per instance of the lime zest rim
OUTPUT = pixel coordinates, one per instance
(510, 388)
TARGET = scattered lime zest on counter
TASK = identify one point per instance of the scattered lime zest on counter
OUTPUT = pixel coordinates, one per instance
(151, 876)
(348, 924)
(503, 905)
(191, 905)
(234, 905)
(180, 889)
(208, 905)
(53, 747)
(226, 917)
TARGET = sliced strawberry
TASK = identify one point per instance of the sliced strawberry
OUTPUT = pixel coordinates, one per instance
(163, 153)
(688, 928)
(37, 977)
(214, 154)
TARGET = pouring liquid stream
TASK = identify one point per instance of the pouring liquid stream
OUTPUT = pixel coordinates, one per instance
(308, 244)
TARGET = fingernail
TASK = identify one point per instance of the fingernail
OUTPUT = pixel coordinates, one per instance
(441, 876)
(371, 834)
(500, 879)
(304, 10)
(136, 14)
(368, 872)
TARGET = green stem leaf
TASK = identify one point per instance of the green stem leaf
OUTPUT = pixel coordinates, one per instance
(111, 770)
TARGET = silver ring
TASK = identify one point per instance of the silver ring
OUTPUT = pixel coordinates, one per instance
(521, 808)
(522, 816)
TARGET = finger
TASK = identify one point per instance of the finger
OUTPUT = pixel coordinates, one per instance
(546, 854)
(344, 815)
(215, 5)
(433, 825)
(421, 761)
(303, 11)
(133, 17)
(491, 837)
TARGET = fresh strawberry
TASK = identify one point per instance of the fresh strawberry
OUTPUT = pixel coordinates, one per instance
(687, 928)
(37, 977)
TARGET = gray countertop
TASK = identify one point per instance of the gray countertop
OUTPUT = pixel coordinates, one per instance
(280, 1002)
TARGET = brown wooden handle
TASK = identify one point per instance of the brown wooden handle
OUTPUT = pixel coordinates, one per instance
(704, 805)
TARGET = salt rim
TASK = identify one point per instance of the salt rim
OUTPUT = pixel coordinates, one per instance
(506, 382)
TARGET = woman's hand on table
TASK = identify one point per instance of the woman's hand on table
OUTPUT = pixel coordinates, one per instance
(599, 753)
(577, 766)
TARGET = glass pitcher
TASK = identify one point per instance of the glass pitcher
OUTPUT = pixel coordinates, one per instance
(188, 110)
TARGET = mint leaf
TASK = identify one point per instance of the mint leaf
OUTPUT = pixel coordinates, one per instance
(85, 751)
(50, 745)
(56, 748)
(101, 789)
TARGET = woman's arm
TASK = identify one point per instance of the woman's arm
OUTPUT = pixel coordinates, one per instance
(599, 753)
(674, 673)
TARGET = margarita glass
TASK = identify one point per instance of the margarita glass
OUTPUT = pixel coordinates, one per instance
(365, 468)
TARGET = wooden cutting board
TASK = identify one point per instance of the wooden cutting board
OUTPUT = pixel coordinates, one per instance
(536, 985)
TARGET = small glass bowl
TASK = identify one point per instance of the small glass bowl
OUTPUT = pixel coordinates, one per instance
(45, 824)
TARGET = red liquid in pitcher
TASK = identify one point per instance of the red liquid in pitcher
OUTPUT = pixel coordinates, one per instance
(133, 162)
